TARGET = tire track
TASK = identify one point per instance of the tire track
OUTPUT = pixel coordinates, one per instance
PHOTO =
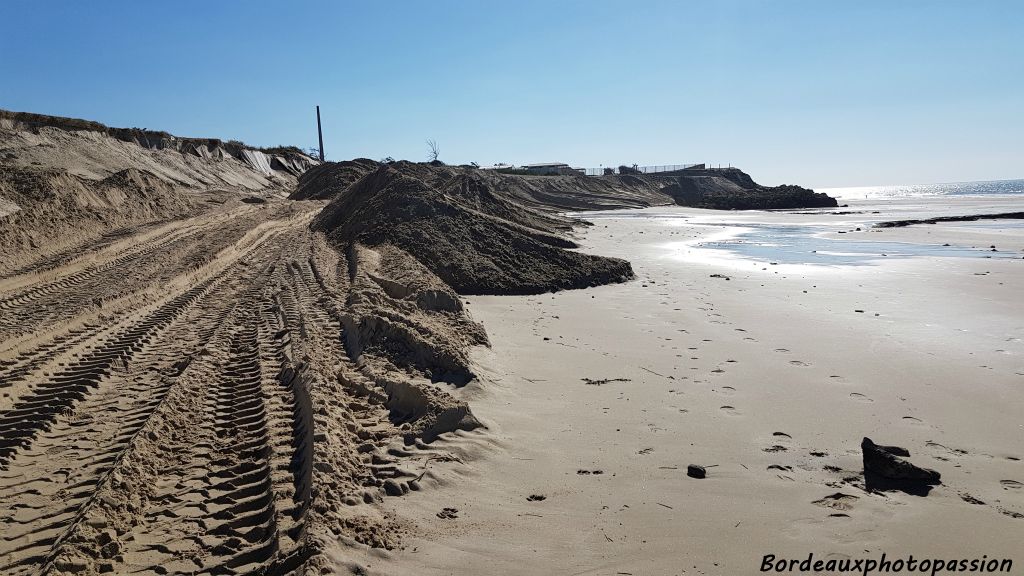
(246, 489)
(153, 263)
(182, 438)
(73, 454)
(47, 400)
(62, 440)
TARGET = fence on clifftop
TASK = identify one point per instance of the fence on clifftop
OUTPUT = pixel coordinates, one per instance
(645, 169)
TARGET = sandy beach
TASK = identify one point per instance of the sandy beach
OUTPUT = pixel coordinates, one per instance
(598, 288)
(769, 375)
(232, 360)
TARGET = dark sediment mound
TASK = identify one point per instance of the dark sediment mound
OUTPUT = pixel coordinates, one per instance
(323, 181)
(733, 189)
(968, 218)
(484, 232)
(722, 189)
(885, 469)
(474, 237)
(538, 193)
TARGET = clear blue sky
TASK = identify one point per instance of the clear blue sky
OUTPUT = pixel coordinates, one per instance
(817, 93)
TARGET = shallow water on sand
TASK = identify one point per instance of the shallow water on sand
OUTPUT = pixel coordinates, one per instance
(801, 244)
(831, 237)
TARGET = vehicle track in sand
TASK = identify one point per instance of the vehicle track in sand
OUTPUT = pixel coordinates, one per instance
(156, 404)
(75, 418)
(55, 297)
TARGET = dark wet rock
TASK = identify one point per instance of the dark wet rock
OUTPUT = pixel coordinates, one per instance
(695, 471)
(885, 469)
(967, 218)
(733, 189)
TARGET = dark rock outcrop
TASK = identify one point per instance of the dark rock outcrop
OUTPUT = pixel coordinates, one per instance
(885, 469)
(967, 218)
(733, 189)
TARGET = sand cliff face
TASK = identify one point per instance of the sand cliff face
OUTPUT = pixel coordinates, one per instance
(66, 182)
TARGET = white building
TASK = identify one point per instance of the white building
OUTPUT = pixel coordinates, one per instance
(550, 168)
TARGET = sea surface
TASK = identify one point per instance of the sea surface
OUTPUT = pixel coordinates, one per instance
(984, 188)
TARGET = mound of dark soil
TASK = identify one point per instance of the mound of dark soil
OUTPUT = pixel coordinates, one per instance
(323, 181)
(476, 239)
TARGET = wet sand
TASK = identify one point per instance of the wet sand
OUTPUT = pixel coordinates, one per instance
(598, 399)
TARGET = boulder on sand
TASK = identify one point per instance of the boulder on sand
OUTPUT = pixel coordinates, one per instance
(885, 469)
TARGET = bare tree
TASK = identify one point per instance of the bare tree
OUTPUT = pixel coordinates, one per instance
(434, 150)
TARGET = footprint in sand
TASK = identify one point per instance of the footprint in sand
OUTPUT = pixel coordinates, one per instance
(1011, 484)
(1011, 513)
(730, 410)
(837, 501)
(953, 451)
(860, 397)
(726, 390)
(966, 497)
(783, 350)
(798, 363)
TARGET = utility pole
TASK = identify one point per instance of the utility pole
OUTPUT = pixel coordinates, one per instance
(320, 133)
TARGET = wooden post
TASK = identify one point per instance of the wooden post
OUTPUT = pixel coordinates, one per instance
(320, 133)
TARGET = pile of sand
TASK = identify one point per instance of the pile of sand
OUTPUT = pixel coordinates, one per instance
(475, 239)
(542, 194)
(322, 181)
(66, 182)
(58, 210)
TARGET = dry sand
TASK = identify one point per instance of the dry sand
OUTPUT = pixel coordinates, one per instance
(598, 400)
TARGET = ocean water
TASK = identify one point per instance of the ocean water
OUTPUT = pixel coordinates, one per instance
(986, 188)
